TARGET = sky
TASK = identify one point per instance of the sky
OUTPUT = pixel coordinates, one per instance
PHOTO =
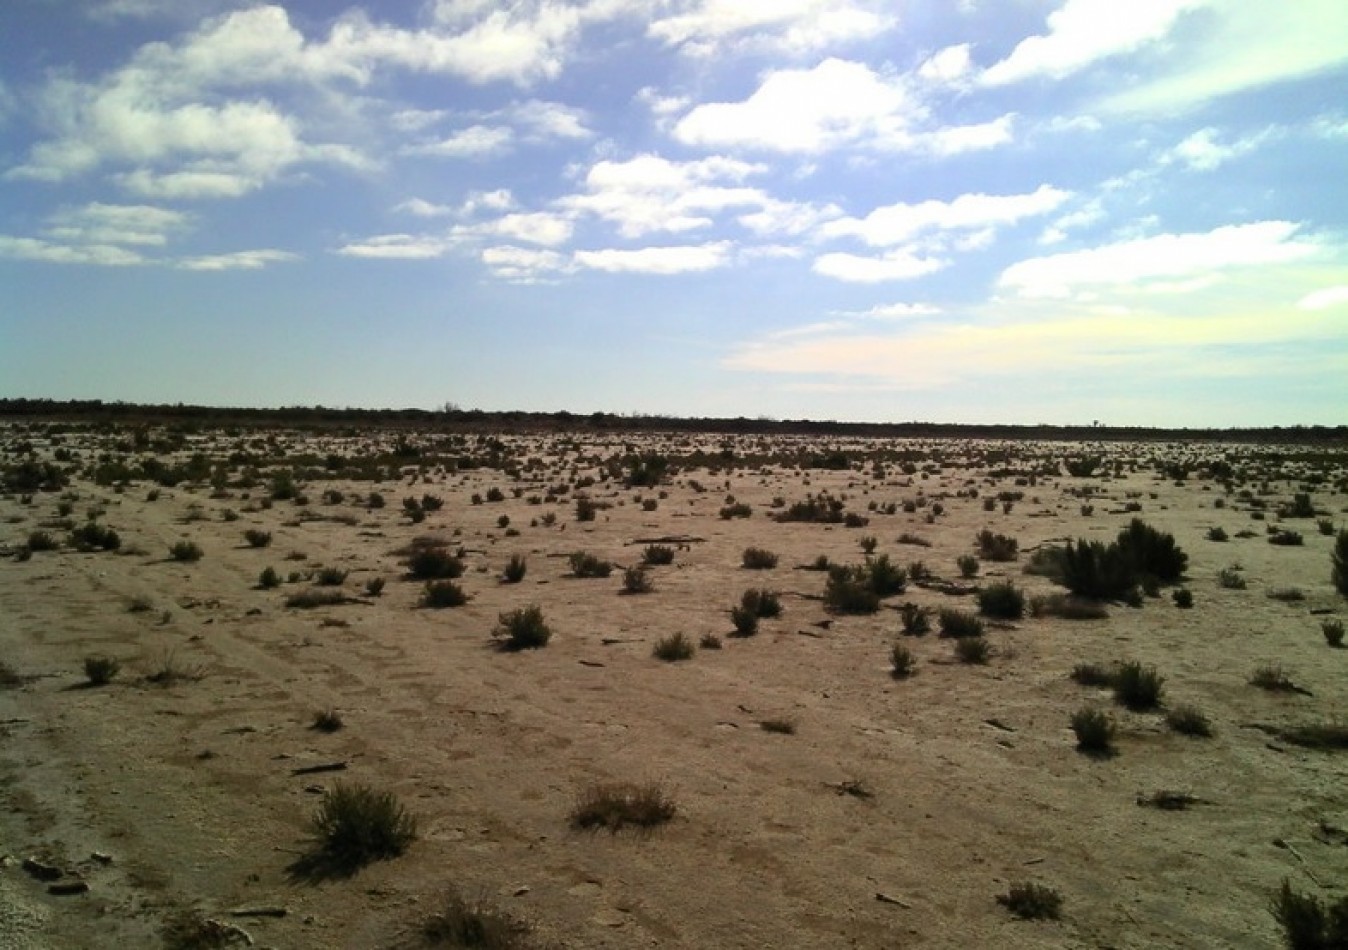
(982, 211)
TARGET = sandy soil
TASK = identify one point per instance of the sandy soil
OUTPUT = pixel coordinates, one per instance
(185, 798)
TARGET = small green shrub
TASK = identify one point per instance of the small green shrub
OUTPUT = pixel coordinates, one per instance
(185, 551)
(657, 554)
(1306, 923)
(619, 805)
(1137, 687)
(1001, 601)
(902, 662)
(256, 538)
(916, 619)
(710, 641)
(473, 924)
(1032, 901)
(868, 544)
(100, 670)
(958, 623)
(745, 620)
(330, 577)
(327, 720)
(848, 591)
(586, 509)
(673, 648)
(355, 825)
(1273, 678)
(740, 510)
(1092, 674)
(1325, 527)
(1286, 537)
(1189, 721)
(434, 563)
(1230, 578)
(766, 604)
(438, 595)
(1183, 597)
(309, 599)
(522, 629)
(92, 536)
(972, 650)
(41, 541)
(268, 578)
(374, 587)
(515, 569)
(996, 547)
(637, 581)
(587, 565)
(968, 565)
(759, 559)
(1217, 533)
(1094, 730)
(1333, 632)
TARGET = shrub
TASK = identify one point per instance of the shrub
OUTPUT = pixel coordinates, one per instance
(1184, 598)
(433, 563)
(92, 536)
(1287, 595)
(1217, 534)
(885, 578)
(41, 541)
(740, 510)
(309, 599)
(958, 623)
(902, 662)
(1152, 552)
(673, 648)
(968, 565)
(374, 586)
(848, 591)
(356, 825)
(759, 559)
(522, 629)
(473, 924)
(1286, 538)
(616, 806)
(256, 538)
(101, 670)
(1273, 678)
(185, 551)
(170, 672)
(514, 569)
(268, 578)
(637, 581)
(1306, 923)
(1032, 901)
(438, 595)
(585, 509)
(1002, 601)
(330, 577)
(1230, 578)
(766, 604)
(1339, 563)
(745, 620)
(1092, 674)
(657, 554)
(1333, 631)
(327, 720)
(1067, 607)
(1094, 730)
(868, 544)
(916, 620)
(1325, 527)
(1136, 686)
(710, 641)
(779, 726)
(913, 539)
(972, 650)
(1189, 721)
(996, 547)
(587, 565)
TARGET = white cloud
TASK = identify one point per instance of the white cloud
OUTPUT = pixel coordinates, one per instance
(1081, 32)
(1202, 151)
(525, 265)
(238, 260)
(658, 260)
(1241, 46)
(1173, 260)
(649, 193)
(422, 208)
(538, 227)
(545, 121)
(788, 217)
(1325, 298)
(99, 223)
(894, 311)
(397, 247)
(188, 184)
(32, 249)
(956, 139)
(707, 27)
(899, 223)
(947, 66)
(414, 120)
(476, 141)
(900, 264)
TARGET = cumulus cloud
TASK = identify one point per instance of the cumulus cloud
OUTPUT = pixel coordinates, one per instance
(525, 264)
(396, 247)
(33, 249)
(538, 227)
(476, 141)
(1172, 262)
(1204, 151)
(898, 264)
(658, 260)
(237, 260)
(972, 213)
(99, 223)
(707, 27)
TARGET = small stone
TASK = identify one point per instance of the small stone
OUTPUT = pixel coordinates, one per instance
(101, 858)
(41, 870)
(66, 888)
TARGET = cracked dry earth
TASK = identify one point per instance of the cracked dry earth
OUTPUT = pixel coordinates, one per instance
(893, 816)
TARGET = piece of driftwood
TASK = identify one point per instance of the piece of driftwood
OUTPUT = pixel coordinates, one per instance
(314, 769)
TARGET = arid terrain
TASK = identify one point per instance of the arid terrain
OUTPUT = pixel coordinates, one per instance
(875, 811)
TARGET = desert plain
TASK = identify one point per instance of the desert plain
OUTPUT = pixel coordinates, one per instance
(174, 803)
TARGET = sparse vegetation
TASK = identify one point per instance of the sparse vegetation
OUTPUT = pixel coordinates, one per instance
(637, 581)
(996, 547)
(256, 538)
(1230, 578)
(745, 620)
(186, 551)
(522, 629)
(330, 577)
(1333, 632)
(356, 825)
(327, 720)
(765, 604)
(1001, 601)
(92, 536)
(968, 566)
(1137, 687)
(780, 726)
(438, 595)
(1032, 901)
(374, 587)
(1067, 607)
(673, 648)
(1189, 721)
(515, 569)
(309, 599)
(901, 661)
(958, 623)
(916, 619)
(657, 554)
(973, 650)
(474, 924)
(1092, 674)
(268, 578)
(433, 562)
(758, 559)
(100, 669)
(1094, 730)
(1273, 678)
(1306, 923)
(619, 805)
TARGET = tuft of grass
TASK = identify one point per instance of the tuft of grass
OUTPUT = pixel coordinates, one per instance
(710, 641)
(522, 629)
(1002, 601)
(327, 720)
(330, 577)
(169, 672)
(902, 662)
(745, 620)
(356, 825)
(758, 559)
(1189, 721)
(958, 623)
(310, 599)
(766, 604)
(256, 538)
(973, 650)
(587, 565)
(186, 551)
(968, 565)
(1092, 674)
(673, 648)
(1217, 534)
(779, 726)
(618, 805)
(1306, 923)
(437, 595)
(1137, 687)
(41, 541)
(1230, 578)
(1273, 678)
(1032, 901)
(268, 578)
(515, 569)
(1288, 595)
(637, 581)
(1333, 632)
(657, 554)
(1094, 730)
(916, 619)
(474, 924)
(374, 587)
(1183, 597)
(101, 670)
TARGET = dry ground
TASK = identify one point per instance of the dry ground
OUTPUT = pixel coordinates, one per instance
(189, 791)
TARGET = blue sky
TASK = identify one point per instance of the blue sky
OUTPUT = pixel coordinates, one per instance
(1009, 212)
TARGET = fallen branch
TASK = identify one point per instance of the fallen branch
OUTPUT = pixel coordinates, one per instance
(325, 767)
